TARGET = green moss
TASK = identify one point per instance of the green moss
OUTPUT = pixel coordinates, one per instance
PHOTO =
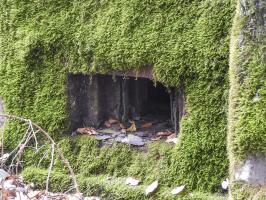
(88, 158)
(247, 126)
(153, 164)
(108, 188)
(59, 182)
(184, 41)
(242, 191)
(248, 86)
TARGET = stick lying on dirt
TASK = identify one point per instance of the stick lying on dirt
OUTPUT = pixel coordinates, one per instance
(53, 145)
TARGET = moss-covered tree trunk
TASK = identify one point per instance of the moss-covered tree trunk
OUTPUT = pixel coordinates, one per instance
(247, 110)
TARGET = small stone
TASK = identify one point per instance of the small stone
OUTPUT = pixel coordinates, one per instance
(120, 138)
(252, 171)
(132, 181)
(171, 140)
(3, 174)
(142, 134)
(225, 184)
(151, 188)
(92, 198)
(102, 137)
(115, 135)
(123, 130)
(108, 131)
(133, 140)
(178, 190)
(9, 184)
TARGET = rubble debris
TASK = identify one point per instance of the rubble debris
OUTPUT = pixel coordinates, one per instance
(225, 184)
(108, 131)
(102, 137)
(178, 190)
(151, 188)
(120, 138)
(3, 175)
(133, 132)
(13, 187)
(133, 140)
(132, 181)
(123, 130)
(142, 134)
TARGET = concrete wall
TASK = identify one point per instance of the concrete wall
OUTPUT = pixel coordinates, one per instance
(246, 137)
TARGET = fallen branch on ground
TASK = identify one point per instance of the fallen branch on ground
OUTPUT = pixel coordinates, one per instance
(31, 133)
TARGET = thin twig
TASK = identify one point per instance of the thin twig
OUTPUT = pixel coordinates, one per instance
(50, 168)
(47, 135)
(43, 157)
(2, 144)
(34, 135)
(22, 145)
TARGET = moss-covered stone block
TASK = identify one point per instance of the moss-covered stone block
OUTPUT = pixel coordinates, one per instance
(108, 187)
(59, 182)
(185, 41)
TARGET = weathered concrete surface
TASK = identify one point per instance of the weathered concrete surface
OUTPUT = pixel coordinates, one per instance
(1, 112)
(252, 171)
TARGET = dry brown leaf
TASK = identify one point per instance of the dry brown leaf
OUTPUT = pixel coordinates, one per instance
(164, 133)
(173, 135)
(146, 125)
(113, 121)
(110, 122)
(132, 128)
(87, 131)
(122, 126)
(4, 194)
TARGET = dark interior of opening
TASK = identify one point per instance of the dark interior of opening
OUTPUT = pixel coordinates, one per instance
(158, 103)
(94, 99)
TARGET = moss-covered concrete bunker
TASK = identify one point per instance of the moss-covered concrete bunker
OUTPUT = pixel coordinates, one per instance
(186, 42)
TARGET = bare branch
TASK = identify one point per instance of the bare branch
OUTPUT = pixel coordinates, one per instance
(47, 135)
(50, 168)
